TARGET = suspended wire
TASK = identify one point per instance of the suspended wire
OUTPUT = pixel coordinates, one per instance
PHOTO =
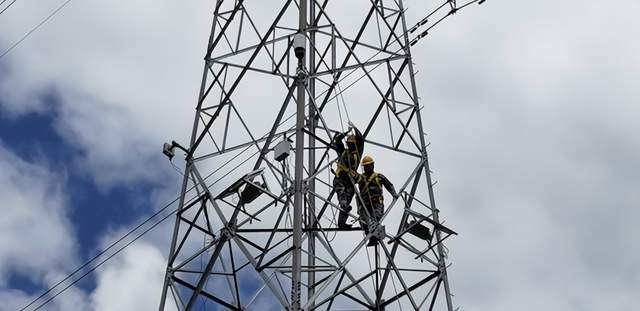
(340, 114)
(288, 220)
(332, 221)
(334, 212)
(99, 254)
(341, 91)
(112, 245)
(373, 281)
(8, 5)
(454, 9)
(177, 169)
(338, 107)
(411, 42)
(204, 244)
(343, 101)
(396, 291)
(105, 260)
(343, 105)
(34, 28)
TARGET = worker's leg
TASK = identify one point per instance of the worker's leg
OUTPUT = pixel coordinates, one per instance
(377, 211)
(344, 191)
(363, 212)
(367, 217)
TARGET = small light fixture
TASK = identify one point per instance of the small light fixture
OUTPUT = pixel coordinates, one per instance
(419, 230)
(282, 150)
(299, 45)
(169, 149)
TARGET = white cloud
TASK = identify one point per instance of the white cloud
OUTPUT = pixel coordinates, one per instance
(532, 121)
(132, 281)
(37, 242)
(126, 77)
(34, 221)
(532, 108)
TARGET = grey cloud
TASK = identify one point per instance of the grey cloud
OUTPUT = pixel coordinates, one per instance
(36, 238)
(531, 108)
(534, 146)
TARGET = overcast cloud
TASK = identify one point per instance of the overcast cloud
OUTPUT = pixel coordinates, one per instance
(531, 108)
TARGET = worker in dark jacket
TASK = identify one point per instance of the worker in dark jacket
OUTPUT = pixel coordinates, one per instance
(370, 185)
(346, 174)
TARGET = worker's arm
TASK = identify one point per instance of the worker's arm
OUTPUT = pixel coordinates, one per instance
(359, 139)
(337, 144)
(389, 186)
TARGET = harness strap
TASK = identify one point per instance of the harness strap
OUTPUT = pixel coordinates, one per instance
(342, 167)
(373, 177)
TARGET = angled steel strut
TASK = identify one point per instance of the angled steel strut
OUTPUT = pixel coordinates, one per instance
(256, 222)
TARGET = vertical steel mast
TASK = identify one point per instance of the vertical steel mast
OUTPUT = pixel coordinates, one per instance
(301, 77)
(255, 227)
(311, 204)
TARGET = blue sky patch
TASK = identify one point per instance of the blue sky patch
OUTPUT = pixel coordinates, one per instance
(33, 137)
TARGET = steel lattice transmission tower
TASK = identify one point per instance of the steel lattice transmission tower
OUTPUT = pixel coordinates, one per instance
(255, 228)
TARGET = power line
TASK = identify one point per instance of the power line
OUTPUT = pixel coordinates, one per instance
(34, 28)
(105, 260)
(121, 239)
(100, 254)
(155, 214)
(8, 5)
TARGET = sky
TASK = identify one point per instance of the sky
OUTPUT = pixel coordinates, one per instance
(530, 108)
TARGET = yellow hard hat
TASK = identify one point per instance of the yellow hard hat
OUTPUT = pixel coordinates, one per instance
(367, 160)
(351, 138)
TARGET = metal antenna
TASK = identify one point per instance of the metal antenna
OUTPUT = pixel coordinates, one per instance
(271, 239)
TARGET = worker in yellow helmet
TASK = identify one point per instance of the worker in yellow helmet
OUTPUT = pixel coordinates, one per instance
(346, 173)
(370, 185)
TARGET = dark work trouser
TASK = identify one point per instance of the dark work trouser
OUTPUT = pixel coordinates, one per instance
(345, 192)
(370, 213)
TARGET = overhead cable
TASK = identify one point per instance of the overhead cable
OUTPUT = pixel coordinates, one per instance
(97, 256)
(412, 42)
(101, 262)
(8, 5)
(129, 233)
(46, 19)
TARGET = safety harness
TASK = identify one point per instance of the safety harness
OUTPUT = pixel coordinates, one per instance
(349, 157)
(376, 179)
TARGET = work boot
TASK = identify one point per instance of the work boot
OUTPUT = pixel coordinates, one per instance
(343, 225)
(342, 218)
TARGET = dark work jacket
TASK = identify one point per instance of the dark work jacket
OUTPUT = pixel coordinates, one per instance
(371, 187)
(348, 161)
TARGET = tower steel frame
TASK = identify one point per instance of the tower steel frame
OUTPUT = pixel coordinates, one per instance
(234, 243)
